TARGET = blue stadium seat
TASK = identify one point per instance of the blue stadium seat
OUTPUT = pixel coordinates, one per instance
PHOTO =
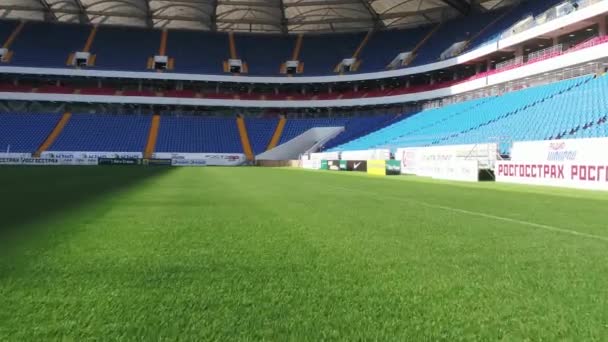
(260, 131)
(198, 52)
(48, 44)
(104, 133)
(125, 48)
(25, 132)
(544, 112)
(191, 134)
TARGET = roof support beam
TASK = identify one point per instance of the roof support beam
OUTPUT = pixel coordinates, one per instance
(213, 23)
(378, 23)
(284, 24)
(460, 5)
(149, 21)
(48, 11)
(82, 17)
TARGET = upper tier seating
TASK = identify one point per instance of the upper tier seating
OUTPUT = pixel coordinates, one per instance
(127, 48)
(198, 52)
(48, 45)
(6, 28)
(322, 52)
(24, 133)
(264, 54)
(389, 44)
(483, 120)
(510, 17)
(191, 134)
(104, 133)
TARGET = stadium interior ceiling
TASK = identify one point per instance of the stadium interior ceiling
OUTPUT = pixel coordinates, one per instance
(278, 16)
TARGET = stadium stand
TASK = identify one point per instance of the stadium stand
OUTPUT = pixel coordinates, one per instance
(260, 132)
(389, 44)
(47, 45)
(211, 49)
(191, 134)
(25, 132)
(104, 133)
(129, 52)
(127, 48)
(579, 112)
(465, 122)
(276, 50)
(6, 28)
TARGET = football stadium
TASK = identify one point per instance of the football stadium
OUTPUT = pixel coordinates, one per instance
(306, 170)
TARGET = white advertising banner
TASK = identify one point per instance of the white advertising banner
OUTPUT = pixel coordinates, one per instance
(311, 164)
(325, 156)
(580, 175)
(457, 170)
(570, 163)
(567, 150)
(91, 154)
(378, 154)
(15, 155)
(48, 161)
(420, 160)
(188, 162)
(203, 159)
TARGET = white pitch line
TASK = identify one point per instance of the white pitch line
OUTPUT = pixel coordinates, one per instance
(480, 214)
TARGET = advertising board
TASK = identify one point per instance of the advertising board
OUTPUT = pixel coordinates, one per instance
(572, 163)
(377, 154)
(376, 167)
(356, 165)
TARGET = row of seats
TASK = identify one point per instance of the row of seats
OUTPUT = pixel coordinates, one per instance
(569, 108)
(25, 132)
(127, 48)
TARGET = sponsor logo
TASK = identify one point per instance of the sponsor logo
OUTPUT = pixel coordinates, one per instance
(357, 165)
(558, 152)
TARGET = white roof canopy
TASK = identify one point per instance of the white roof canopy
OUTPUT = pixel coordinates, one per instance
(281, 16)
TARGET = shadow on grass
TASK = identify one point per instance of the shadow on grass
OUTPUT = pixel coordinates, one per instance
(31, 194)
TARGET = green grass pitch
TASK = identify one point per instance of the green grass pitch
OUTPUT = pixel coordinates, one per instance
(271, 254)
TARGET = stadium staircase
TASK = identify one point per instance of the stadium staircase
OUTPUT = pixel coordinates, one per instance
(247, 150)
(48, 142)
(152, 136)
(278, 132)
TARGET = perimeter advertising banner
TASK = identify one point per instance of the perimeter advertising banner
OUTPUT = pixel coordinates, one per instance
(422, 161)
(311, 164)
(49, 161)
(592, 176)
(210, 159)
(333, 165)
(343, 165)
(376, 167)
(324, 165)
(356, 165)
(393, 167)
(572, 163)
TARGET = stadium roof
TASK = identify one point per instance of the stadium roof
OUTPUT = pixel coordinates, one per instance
(249, 15)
